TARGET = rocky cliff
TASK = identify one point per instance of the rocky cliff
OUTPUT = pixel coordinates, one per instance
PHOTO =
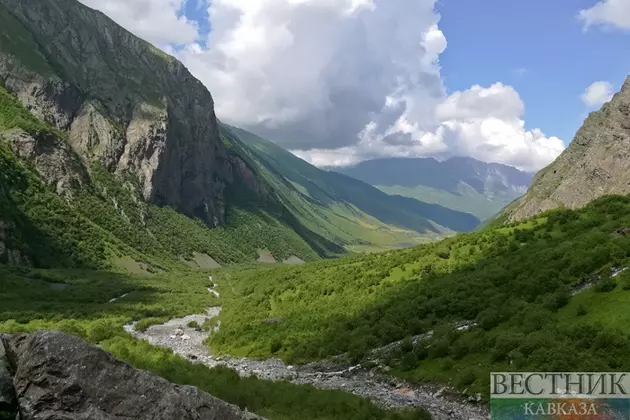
(118, 101)
(596, 163)
(51, 375)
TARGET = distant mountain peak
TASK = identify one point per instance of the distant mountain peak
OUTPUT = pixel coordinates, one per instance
(460, 183)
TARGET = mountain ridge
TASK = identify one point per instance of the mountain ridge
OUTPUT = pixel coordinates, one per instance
(593, 165)
(460, 183)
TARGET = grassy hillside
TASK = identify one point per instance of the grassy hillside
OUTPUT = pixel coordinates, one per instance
(341, 209)
(76, 302)
(513, 284)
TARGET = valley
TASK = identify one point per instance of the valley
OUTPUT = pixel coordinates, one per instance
(187, 340)
(133, 218)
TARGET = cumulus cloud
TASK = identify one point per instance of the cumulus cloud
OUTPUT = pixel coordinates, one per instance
(484, 123)
(598, 94)
(157, 21)
(312, 73)
(613, 13)
(338, 81)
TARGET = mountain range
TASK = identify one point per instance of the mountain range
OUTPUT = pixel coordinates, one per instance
(459, 183)
(118, 139)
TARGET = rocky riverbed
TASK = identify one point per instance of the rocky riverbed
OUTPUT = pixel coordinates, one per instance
(371, 383)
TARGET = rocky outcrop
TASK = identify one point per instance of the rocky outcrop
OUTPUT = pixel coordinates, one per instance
(8, 401)
(596, 163)
(121, 101)
(57, 376)
(54, 160)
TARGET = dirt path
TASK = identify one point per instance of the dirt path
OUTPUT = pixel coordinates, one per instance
(381, 388)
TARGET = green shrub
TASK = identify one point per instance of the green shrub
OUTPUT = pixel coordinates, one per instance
(581, 310)
(144, 324)
(606, 286)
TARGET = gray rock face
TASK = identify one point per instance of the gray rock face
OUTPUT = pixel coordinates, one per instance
(60, 377)
(54, 160)
(596, 163)
(121, 101)
(8, 402)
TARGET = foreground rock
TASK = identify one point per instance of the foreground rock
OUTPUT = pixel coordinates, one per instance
(8, 402)
(371, 383)
(60, 377)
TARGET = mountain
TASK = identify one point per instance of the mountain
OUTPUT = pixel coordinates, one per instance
(118, 155)
(340, 208)
(596, 163)
(460, 183)
(112, 156)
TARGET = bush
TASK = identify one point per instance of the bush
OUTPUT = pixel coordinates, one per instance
(606, 286)
(581, 310)
(409, 361)
(144, 324)
(275, 347)
(407, 344)
(467, 378)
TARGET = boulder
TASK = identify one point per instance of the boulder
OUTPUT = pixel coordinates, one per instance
(60, 377)
(8, 402)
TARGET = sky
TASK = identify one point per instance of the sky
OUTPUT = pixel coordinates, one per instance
(341, 81)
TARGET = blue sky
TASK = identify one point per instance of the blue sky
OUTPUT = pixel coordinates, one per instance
(195, 10)
(490, 40)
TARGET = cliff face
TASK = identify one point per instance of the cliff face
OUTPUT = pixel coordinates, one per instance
(596, 163)
(119, 100)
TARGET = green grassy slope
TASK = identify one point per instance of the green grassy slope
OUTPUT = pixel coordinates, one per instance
(343, 209)
(514, 282)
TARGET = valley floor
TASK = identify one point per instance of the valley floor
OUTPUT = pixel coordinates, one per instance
(371, 382)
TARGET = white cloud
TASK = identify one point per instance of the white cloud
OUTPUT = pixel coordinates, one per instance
(484, 123)
(598, 94)
(338, 81)
(157, 21)
(613, 13)
(313, 73)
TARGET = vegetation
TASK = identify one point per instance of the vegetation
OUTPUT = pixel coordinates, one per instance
(32, 300)
(39, 226)
(512, 284)
(165, 233)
